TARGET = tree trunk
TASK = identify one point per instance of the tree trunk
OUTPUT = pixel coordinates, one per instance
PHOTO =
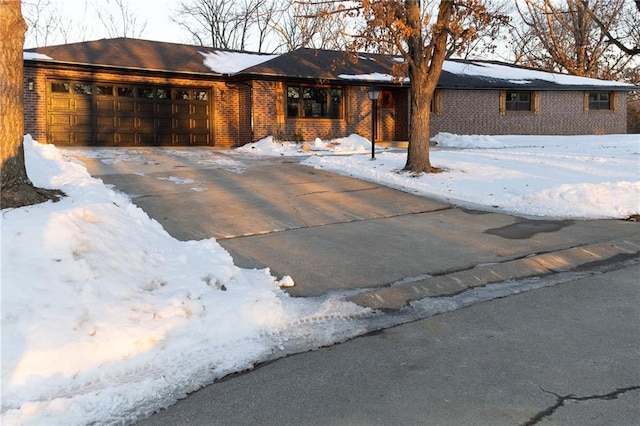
(15, 186)
(425, 67)
(418, 160)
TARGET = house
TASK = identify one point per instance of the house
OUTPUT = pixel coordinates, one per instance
(125, 92)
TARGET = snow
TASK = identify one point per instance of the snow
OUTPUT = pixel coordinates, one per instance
(106, 318)
(513, 75)
(35, 55)
(521, 75)
(225, 62)
(560, 177)
(375, 76)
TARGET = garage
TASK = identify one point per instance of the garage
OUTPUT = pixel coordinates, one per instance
(94, 113)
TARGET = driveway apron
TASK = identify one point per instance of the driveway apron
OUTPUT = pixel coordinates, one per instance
(328, 232)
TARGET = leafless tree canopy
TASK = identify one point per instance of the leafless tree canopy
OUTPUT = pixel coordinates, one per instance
(259, 25)
(119, 19)
(49, 22)
(576, 36)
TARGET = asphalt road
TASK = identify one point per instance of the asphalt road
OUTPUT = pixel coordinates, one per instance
(562, 355)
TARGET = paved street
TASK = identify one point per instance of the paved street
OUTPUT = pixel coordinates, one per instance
(561, 355)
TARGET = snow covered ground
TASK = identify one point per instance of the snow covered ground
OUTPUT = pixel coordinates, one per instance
(581, 177)
(106, 318)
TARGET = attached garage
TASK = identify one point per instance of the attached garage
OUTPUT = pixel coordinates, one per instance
(86, 113)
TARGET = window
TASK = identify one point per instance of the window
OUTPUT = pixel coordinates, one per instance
(183, 94)
(83, 88)
(518, 101)
(59, 87)
(599, 101)
(104, 90)
(145, 92)
(314, 102)
(163, 93)
(126, 92)
(200, 95)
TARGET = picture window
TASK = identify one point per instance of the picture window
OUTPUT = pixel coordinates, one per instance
(314, 102)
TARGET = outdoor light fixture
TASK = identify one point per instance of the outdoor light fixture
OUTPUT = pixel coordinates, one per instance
(374, 93)
(30, 84)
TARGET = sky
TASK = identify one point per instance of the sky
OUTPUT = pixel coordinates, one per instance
(156, 13)
(85, 340)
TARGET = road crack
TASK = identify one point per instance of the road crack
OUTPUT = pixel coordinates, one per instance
(561, 399)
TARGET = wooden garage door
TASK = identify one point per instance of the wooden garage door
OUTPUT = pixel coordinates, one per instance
(108, 114)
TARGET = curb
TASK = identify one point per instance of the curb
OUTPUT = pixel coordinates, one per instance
(399, 296)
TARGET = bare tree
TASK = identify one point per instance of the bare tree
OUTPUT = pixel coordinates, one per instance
(565, 37)
(15, 187)
(627, 33)
(226, 24)
(307, 24)
(42, 20)
(493, 35)
(119, 20)
(420, 34)
(48, 23)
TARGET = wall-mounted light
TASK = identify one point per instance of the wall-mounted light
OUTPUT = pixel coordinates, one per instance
(31, 84)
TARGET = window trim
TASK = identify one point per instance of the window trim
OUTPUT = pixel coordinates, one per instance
(534, 102)
(613, 102)
(340, 109)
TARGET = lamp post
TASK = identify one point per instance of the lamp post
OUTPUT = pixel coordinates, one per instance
(373, 93)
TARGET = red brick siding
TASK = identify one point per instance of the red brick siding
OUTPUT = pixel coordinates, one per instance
(226, 126)
(241, 113)
(356, 116)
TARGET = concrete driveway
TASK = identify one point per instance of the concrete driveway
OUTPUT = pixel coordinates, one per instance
(328, 232)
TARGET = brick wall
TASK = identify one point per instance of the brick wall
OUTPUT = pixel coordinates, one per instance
(241, 113)
(269, 115)
(561, 113)
(226, 124)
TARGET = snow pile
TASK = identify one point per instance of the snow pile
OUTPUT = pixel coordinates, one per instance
(579, 177)
(353, 144)
(106, 318)
(466, 141)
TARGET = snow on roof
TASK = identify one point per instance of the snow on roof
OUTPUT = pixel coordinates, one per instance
(516, 75)
(35, 55)
(492, 71)
(224, 62)
(376, 76)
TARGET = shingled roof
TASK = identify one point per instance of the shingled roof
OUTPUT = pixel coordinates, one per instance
(128, 53)
(305, 64)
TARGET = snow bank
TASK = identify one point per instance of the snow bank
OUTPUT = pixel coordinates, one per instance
(106, 318)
